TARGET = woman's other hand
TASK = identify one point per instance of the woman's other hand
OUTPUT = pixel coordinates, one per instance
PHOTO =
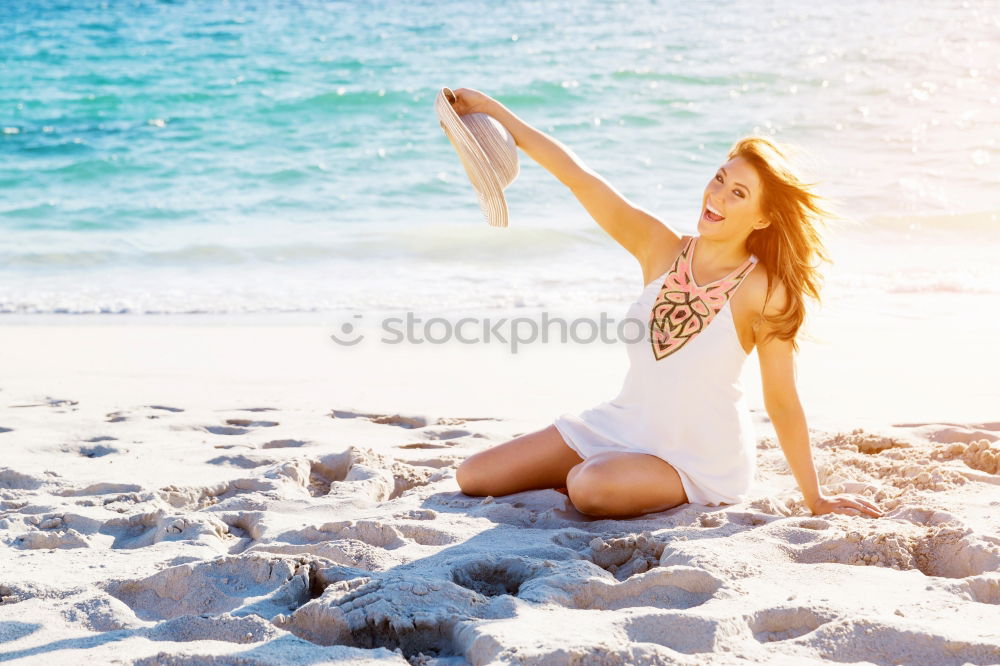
(467, 100)
(852, 505)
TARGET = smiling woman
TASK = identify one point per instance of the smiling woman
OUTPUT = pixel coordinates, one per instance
(741, 191)
(791, 241)
(756, 204)
(679, 430)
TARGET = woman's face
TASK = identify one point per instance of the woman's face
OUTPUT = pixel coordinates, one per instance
(734, 194)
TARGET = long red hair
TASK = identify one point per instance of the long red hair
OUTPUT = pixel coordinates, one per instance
(791, 244)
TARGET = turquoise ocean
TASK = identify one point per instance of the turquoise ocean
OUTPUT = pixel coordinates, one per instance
(284, 157)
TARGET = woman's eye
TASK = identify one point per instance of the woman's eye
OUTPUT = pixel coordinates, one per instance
(738, 193)
(718, 177)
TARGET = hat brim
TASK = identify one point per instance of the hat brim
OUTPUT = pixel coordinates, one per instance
(480, 172)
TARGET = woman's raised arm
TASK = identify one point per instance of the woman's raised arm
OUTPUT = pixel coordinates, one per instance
(634, 228)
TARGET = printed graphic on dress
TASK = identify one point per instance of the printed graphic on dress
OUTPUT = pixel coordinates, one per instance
(682, 309)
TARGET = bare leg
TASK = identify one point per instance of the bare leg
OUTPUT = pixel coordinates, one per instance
(611, 484)
(533, 461)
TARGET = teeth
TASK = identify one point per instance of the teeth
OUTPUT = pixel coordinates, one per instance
(713, 211)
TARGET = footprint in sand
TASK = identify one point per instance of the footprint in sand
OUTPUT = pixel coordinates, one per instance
(400, 420)
(367, 531)
(574, 583)
(242, 461)
(148, 411)
(48, 401)
(463, 420)
(344, 474)
(249, 525)
(493, 577)
(416, 615)
(250, 423)
(681, 632)
(406, 420)
(984, 589)
(93, 451)
(39, 540)
(225, 430)
(285, 443)
(121, 503)
(869, 638)
(782, 624)
(426, 535)
(441, 462)
(324, 473)
(366, 468)
(146, 529)
(238, 426)
(252, 583)
(818, 524)
(249, 409)
(449, 433)
(100, 488)
(59, 530)
(13, 480)
(751, 518)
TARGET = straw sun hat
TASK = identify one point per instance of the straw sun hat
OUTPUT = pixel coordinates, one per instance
(488, 153)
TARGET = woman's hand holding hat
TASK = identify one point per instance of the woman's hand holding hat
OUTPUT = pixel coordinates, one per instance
(486, 149)
(468, 100)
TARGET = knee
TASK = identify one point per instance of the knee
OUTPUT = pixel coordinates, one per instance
(589, 491)
(469, 479)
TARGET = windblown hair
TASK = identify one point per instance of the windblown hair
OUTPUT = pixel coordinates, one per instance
(790, 244)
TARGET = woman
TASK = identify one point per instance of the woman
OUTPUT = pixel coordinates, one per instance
(680, 431)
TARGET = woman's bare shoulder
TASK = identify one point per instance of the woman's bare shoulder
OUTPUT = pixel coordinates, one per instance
(756, 286)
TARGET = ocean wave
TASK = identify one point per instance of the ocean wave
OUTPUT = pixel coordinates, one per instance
(445, 243)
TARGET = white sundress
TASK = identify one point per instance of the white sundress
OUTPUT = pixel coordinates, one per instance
(682, 398)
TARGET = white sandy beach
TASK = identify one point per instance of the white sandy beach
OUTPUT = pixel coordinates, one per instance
(253, 494)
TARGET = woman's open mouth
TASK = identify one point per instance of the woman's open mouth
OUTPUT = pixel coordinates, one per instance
(709, 214)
